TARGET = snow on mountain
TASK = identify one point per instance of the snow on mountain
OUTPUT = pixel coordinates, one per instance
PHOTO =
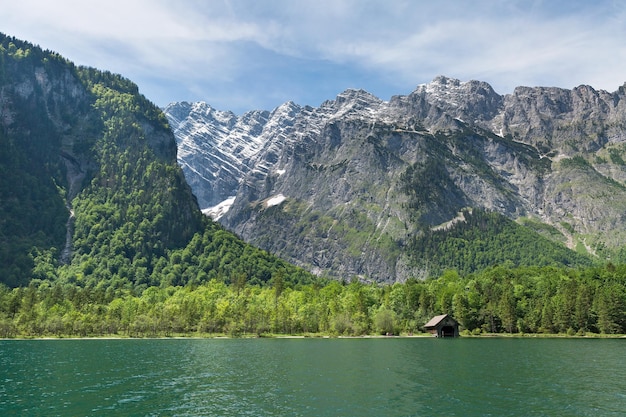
(275, 200)
(346, 164)
(221, 152)
(216, 212)
(216, 148)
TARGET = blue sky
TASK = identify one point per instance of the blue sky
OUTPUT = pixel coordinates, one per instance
(241, 55)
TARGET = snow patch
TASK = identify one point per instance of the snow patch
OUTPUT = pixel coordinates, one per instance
(216, 212)
(276, 200)
(280, 172)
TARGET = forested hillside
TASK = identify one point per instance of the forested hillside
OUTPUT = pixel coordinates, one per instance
(32, 175)
(480, 239)
(90, 191)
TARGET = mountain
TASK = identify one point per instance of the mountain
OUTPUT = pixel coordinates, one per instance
(90, 190)
(219, 148)
(387, 190)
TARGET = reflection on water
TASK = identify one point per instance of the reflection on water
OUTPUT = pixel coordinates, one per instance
(313, 377)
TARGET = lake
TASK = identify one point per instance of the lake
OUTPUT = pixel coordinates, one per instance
(314, 377)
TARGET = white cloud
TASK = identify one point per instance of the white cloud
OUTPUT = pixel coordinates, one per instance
(237, 53)
(508, 49)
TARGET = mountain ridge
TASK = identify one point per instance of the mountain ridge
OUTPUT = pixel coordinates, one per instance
(511, 154)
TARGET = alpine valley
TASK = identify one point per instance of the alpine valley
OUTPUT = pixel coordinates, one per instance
(513, 205)
(450, 176)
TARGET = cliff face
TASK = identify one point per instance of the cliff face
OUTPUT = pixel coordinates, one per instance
(80, 152)
(342, 188)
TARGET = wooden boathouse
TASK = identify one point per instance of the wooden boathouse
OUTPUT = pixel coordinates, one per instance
(443, 326)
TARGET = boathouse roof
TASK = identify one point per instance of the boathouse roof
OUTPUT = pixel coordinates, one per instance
(435, 321)
(443, 326)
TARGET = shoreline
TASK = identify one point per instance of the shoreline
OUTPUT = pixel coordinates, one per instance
(321, 336)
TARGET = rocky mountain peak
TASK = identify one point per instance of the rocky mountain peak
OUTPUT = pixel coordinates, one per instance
(285, 113)
(181, 111)
(470, 101)
(227, 143)
(455, 92)
(357, 174)
(354, 102)
(359, 96)
(568, 120)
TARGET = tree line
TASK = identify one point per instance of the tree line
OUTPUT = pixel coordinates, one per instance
(500, 299)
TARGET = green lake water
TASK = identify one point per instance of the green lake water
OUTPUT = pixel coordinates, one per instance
(314, 377)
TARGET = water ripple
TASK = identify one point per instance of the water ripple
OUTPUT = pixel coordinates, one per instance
(313, 377)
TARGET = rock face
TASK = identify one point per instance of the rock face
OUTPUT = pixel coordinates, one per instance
(341, 188)
(217, 149)
(80, 152)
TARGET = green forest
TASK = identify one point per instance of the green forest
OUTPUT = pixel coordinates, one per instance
(484, 239)
(549, 300)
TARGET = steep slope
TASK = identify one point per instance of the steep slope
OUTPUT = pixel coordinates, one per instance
(345, 189)
(90, 190)
(94, 148)
(40, 101)
(216, 149)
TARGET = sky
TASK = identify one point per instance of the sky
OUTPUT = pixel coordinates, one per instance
(242, 55)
